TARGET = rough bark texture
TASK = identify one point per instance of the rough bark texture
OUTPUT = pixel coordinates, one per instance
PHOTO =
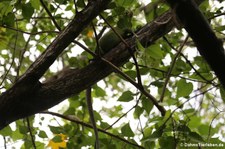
(209, 46)
(25, 98)
(28, 96)
(15, 102)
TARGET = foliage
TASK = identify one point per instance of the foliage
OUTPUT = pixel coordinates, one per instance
(125, 116)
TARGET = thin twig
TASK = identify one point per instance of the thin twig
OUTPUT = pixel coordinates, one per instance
(138, 86)
(5, 142)
(210, 126)
(85, 48)
(129, 50)
(171, 68)
(13, 57)
(31, 134)
(199, 74)
(90, 126)
(123, 115)
(29, 33)
(50, 15)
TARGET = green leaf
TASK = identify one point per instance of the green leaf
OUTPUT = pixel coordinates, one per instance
(27, 11)
(23, 129)
(70, 111)
(158, 83)
(204, 129)
(104, 125)
(39, 144)
(180, 67)
(184, 129)
(7, 131)
(184, 88)
(137, 112)
(17, 135)
(126, 131)
(126, 96)
(131, 74)
(27, 144)
(57, 139)
(144, 71)
(99, 92)
(5, 8)
(56, 130)
(155, 51)
(194, 122)
(217, 141)
(139, 45)
(125, 3)
(35, 4)
(196, 137)
(124, 22)
(189, 111)
(204, 5)
(80, 3)
(167, 142)
(97, 116)
(42, 134)
(156, 134)
(9, 19)
(147, 104)
(167, 116)
(220, 28)
(60, 1)
(129, 65)
(148, 131)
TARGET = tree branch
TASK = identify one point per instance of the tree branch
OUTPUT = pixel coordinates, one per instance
(21, 93)
(27, 96)
(73, 29)
(209, 46)
(74, 120)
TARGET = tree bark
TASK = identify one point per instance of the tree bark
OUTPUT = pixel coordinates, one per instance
(28, 96)
(16, 101)
(197, 26)
(25, 98)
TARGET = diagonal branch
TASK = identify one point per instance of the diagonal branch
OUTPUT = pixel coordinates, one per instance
(21, 93)
(65, 37)
(77, 121)
(28, 97)
(77, 80)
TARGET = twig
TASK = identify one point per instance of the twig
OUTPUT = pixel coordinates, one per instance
(210, 126)
(5, 147)
(13, 57)
(171, 68)
(29, 33)
(199, 74)
(90, 126)
(123, 115)
(50, 15)
(92, 118)
(129, 50)
(138, 86)
(30, 131)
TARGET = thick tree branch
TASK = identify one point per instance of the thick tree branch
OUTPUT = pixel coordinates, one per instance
(20, 102)
(28, 97)
(73, 29)
(22, 91)
(209, 46)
